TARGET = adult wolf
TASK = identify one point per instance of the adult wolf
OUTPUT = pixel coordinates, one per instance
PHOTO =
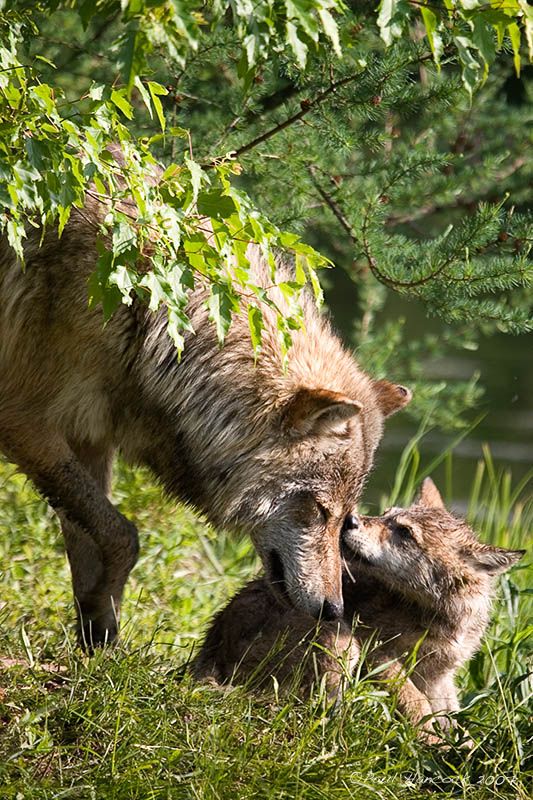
(282, 455)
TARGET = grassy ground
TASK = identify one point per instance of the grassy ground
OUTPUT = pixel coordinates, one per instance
(127, 724)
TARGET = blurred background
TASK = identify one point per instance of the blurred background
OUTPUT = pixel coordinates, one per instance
(502, 419)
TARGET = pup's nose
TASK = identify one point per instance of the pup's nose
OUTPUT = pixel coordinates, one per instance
(332, 609)
(351, 523)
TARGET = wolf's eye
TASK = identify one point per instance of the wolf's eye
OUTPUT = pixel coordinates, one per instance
(323, 512)
(403, 532)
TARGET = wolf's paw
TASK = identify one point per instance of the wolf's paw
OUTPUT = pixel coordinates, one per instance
(96, 631)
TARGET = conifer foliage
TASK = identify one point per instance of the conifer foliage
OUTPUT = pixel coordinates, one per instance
(390, 139)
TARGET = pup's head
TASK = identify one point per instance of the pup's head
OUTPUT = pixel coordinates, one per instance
(309, 481)
(426, 553)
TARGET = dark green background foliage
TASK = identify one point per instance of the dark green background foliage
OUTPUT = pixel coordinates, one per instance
(394, 140)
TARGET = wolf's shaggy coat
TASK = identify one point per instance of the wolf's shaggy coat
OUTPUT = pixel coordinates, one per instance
(280, 455)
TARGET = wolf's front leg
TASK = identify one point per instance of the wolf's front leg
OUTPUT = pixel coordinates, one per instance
(412, 703)
(98, 583)
(442, 695)
(102, 545)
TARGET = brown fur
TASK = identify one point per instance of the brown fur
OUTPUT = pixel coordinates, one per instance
(414, 579)
(280, 455)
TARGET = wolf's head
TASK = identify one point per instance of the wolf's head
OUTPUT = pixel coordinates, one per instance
(309, 481)
(426, 554)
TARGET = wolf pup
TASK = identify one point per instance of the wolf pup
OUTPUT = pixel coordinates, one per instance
(280, 455)
(416, 580)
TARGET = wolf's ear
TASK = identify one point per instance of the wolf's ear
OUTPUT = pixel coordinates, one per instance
(319, 412)
(391, 397)
(429, 496)
(494, 560)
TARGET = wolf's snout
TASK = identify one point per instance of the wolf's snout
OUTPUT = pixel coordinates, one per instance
(332, 610)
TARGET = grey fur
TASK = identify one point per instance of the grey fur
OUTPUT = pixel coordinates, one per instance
(219, 431)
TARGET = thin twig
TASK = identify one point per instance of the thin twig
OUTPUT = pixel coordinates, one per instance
(306, 106)
(78, 51)
(333, 206)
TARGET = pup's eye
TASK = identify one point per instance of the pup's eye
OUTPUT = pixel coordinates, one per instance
(403, 532)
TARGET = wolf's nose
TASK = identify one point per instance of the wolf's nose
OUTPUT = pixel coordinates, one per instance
(332, 609)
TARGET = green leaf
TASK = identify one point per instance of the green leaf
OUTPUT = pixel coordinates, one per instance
(118, 97)
(213, 204)
(175, 328)
(125, 281)
(315, 283)
(88, 9)
(431, 24)
(16, 234)
(330, 28)
(256, 325)
(124, 237)
(96, 91)
(155, 90)
(197, 177)
(527, 18)
(44, 94)
(221, 303)
(64, 216)
(156, 287)
(181, 281)
(299, 48)
(514, 35)
(99, 288)
(45, 61)
(301, 12)
(131, 55)
(471, 68)
(392, 14)
(145, 94)
(483, 41)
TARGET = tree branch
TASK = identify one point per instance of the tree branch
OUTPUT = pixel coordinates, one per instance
(305, 107)
(333, 206)
(308, 105)
(460, 202)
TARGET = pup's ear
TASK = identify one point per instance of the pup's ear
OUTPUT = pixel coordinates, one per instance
(319, 412)
(391, 397)
(429, 496)
(494, 560)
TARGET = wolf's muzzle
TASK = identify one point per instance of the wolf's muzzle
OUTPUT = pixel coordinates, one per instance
(332, 610)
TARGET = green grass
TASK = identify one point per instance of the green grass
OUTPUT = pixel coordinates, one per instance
(127, 723)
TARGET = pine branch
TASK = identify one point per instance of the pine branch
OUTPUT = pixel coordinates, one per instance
(460, 202)
(309, 105)
(333, 206)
